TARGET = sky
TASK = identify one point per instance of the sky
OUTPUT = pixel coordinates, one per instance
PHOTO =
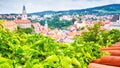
(15, 6)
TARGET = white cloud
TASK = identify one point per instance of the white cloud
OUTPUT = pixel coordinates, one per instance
(15, 6)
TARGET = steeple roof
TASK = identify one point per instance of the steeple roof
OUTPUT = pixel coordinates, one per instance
(24, 14)
(24, 8)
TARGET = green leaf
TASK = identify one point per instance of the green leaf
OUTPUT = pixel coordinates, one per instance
(52, 58)
(76, 62)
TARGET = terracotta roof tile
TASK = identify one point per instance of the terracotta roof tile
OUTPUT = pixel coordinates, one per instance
(22, 21)
(9, 23)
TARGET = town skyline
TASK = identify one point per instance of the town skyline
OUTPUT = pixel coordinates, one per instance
(15, 6)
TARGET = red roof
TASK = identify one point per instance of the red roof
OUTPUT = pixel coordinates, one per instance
(22, 21)
(9, 23)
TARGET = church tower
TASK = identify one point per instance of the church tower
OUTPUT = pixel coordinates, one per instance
(24, 14)
(46, 25)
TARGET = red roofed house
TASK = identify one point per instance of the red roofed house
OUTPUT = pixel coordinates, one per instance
(9, 25)
(36, 27)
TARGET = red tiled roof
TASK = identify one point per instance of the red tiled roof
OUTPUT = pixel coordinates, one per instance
(22, 21)
(36, 25)
(105, 61)
(9, 23)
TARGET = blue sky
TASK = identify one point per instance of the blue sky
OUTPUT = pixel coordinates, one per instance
(15, 6)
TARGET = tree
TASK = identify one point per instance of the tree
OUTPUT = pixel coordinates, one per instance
(55, 22)
(24, 30)
(28, 30)
(1, 22)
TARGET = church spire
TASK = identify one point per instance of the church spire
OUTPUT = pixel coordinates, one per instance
(24, 14)
(24, 8)
(46, 25)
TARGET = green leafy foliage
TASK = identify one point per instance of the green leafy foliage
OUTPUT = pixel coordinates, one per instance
(89, 43)
(97, 35)
(22, 50)
(26, 30)
(1, 22)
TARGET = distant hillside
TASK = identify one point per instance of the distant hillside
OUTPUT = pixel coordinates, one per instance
(107, 9)
(43, 13)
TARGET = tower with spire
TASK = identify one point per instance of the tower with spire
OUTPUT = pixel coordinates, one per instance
(24, 14)
(23, 22)
(46, 25)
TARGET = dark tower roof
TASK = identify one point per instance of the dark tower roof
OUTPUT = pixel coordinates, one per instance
(24, 8)
(24, 14)
(115, 18)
